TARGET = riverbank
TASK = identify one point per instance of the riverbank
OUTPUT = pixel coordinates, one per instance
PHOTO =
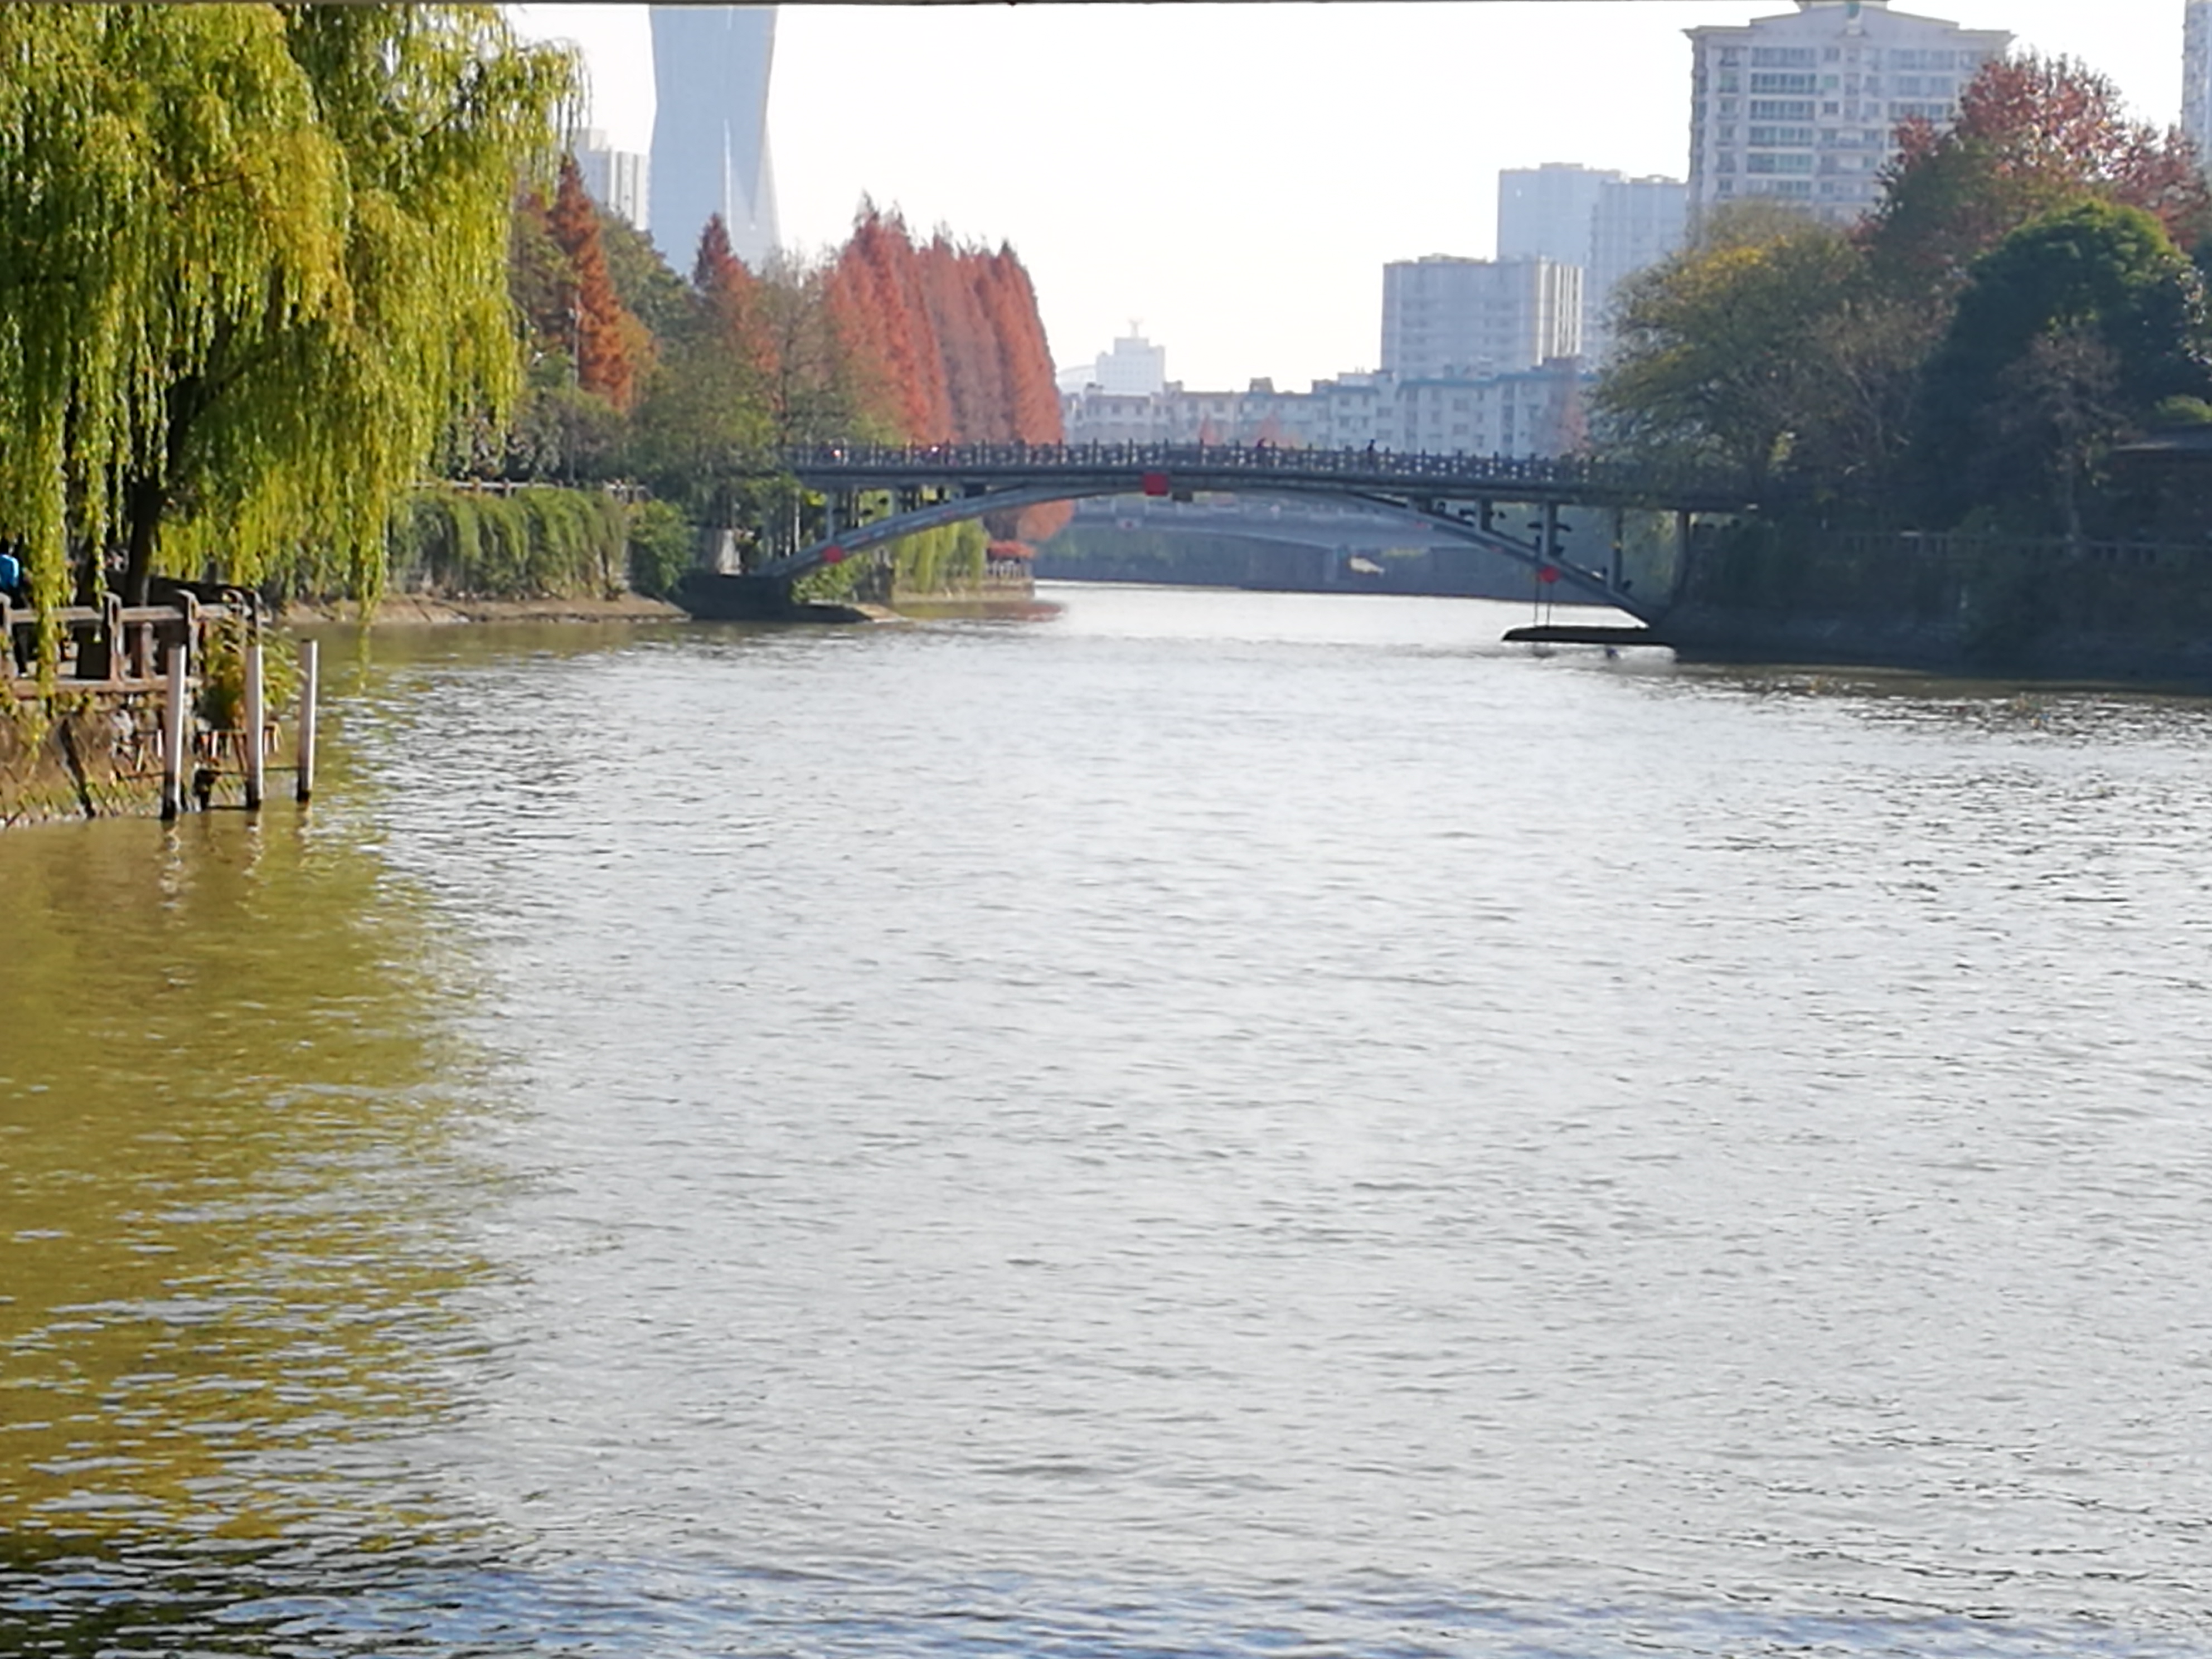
(2124, 613)
(437, 610)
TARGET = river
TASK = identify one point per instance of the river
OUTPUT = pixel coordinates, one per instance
(1208, 1123)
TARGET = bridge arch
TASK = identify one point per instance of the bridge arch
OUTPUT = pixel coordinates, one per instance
(875, 533)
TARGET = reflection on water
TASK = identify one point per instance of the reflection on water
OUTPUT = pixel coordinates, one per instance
(230, 1207)
(1204, 1124)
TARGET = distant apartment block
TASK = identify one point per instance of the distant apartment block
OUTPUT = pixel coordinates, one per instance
(1804, 107)
(615, 178)
(1545, 213)
(1446, 318)
(1536, 411)
(710, 153)
(2196, 77)
(1135, 367)
(1610, 226)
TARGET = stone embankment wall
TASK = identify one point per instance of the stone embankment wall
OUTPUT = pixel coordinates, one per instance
(2125, 611)
(82, 755)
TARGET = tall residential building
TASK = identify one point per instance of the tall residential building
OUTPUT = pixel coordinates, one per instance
(1638, 223)
(2196, 77)
(1610, 226)
(710, 76)
(1804, 107)
(615, 178)
(1445, 316)
(1545, 213)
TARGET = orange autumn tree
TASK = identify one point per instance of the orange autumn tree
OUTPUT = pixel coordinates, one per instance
(876, 288)
(974, 380)
(884, 340)
(587, 354)
(729, 302)
(947, 345)
(1032, 393)
(609, 344)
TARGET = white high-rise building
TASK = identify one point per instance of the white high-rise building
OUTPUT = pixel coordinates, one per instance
(2196, 77)
(1638, 223)
(1545, 213)
(1610, 226)
(1445, 316)
(1804, 107)
(615, 178)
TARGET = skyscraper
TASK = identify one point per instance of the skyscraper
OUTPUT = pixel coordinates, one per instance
(710, 76)
(1804, 107)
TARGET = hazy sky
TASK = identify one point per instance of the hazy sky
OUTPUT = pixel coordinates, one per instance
(1234, 177)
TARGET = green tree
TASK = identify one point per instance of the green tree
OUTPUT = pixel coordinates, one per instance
(1762, 350)
(651, 292)
(2069, 334)
(807, 380)
(256, 266)
(704, 419)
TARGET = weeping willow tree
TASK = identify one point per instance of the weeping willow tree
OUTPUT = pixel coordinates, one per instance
(252, 263)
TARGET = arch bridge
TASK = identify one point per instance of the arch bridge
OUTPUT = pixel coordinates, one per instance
(872, 495)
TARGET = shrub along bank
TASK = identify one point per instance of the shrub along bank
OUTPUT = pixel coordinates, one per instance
(537, 542)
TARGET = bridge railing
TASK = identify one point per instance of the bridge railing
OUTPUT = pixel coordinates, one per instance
(1382, 466)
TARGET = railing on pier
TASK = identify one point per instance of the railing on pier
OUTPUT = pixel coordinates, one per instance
(111, 646)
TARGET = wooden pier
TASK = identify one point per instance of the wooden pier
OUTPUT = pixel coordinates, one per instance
(179, 685)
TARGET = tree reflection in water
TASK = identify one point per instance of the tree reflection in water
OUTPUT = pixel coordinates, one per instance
(235, 1166)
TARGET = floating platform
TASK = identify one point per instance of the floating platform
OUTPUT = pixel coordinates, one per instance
(1583, 634)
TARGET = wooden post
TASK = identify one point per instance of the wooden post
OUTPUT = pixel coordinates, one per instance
(173, 728)
(254, 758)
(309, 652)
